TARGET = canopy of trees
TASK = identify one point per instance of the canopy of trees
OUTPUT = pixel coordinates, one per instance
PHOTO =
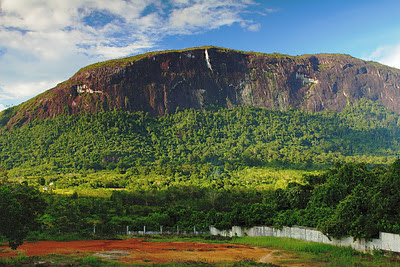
(20, 207)
(227, 139)
(346, 200)
(186, 169)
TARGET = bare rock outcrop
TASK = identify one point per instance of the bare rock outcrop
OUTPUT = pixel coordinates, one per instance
(199, 78)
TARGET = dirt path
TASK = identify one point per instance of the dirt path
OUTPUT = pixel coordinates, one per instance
(141, 252)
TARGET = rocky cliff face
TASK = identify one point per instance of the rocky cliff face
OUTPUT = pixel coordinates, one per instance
(204, 77)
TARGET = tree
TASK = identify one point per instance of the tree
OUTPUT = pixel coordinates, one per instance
(20, 207)
(3, 176)
(353, 216)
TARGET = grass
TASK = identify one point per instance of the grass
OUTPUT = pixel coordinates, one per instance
(14, 261)
(299, 252)
(91, 192)
(293, 245)
(79, 259)
(266, 178)
(224, 264)
(188, 238)
(91, 261)
(57, 259)
(307, 252)
(304, 251)
(121, 62)
(125, 61)
(328, 254)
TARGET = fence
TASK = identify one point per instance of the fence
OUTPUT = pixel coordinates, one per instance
(163, 232)
(386, 241)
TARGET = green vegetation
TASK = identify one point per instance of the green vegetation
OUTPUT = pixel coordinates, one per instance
(207, 148)
(73, 259)
(121, 62)
(15, 261)
(245, 166)
(20, 207)
(331, 255)
(79, 260)
(349, 199)
(294, 245)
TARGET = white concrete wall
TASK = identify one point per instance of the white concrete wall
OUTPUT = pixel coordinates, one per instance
(387, 241)
(390, 242)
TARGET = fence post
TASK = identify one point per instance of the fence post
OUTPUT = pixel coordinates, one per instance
(194, 230)
(161, 229)
(144, 229)
(94, 229)
(127, 230)
(177, 229)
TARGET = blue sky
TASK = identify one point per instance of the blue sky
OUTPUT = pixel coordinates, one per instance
(43, 42)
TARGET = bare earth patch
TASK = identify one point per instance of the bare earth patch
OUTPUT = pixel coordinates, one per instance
(141, 252)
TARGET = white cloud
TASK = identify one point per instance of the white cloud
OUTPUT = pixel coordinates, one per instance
(47, 40)
(250, 26)
(2, 107)
(254, 27)
(271, 10)
(25, 89)
(191, 18)
(388, 55)
(195, 17)
(93, 26)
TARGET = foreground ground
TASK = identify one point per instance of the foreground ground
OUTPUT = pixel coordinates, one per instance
(147, 252)
(138, 251)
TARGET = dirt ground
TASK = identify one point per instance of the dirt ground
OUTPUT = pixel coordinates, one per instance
(141, 252)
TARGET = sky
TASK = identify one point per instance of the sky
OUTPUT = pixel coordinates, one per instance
(44, 42)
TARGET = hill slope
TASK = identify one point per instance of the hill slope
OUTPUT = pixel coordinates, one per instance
(206, 77)
(222, 140)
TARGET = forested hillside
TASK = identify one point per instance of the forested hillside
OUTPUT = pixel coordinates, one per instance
(200, 143)
(336, 171)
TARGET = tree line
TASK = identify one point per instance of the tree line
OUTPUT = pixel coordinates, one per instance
(345, 200)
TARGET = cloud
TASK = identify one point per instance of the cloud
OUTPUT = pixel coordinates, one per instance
(388, 55)
(189, 19)
(254, 27)
(25, 89)
(47, 40)
(271, 10)
(2, 107)
(250, 26)
(92, 27)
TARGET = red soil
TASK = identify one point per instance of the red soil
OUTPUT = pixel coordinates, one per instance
(139, 251)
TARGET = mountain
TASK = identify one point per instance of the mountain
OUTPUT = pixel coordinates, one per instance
(207, 77)
(211, 136)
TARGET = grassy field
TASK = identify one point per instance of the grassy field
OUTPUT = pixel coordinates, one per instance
(331, 255)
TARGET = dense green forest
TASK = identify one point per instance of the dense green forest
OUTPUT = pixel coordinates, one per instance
(206, 148)
(348, 199)
(243, 166)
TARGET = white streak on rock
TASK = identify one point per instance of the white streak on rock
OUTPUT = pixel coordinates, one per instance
(208, 60)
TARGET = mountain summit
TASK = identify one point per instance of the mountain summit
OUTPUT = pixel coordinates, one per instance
(206, 77)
